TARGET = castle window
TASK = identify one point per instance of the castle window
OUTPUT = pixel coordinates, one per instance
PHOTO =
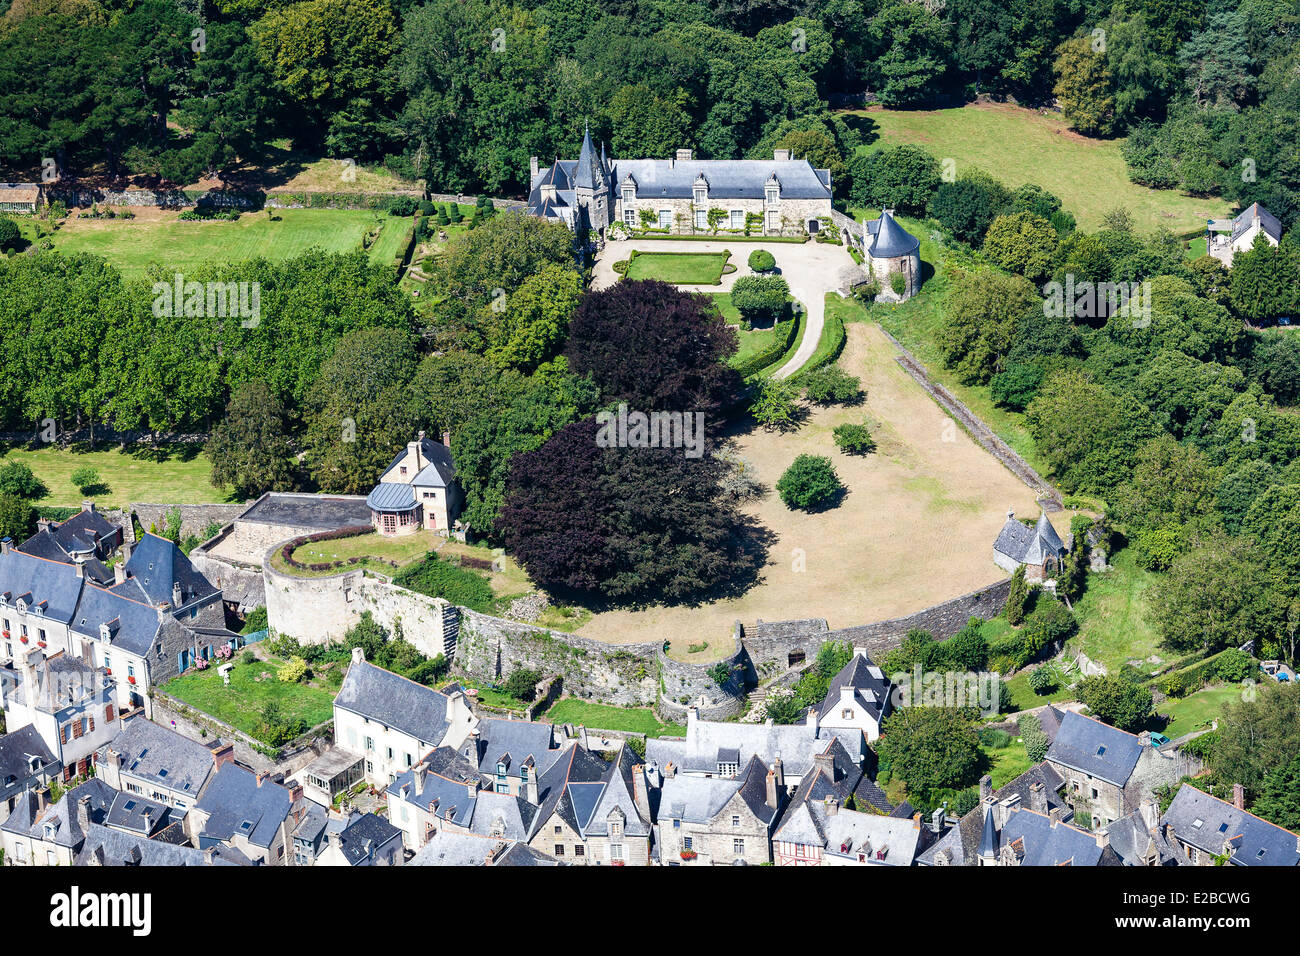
(701, 219)
(665, 218)
(737, 219)
(773, 194)
(629, 217)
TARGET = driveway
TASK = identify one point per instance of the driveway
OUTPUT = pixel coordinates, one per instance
(811, 268)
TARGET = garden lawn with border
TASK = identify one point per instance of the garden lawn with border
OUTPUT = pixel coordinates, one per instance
(638, 720)
(678, 268)
(163, 473)
(1196, 711)
(241, 704)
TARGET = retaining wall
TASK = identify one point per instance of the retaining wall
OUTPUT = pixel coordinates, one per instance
(684, 685)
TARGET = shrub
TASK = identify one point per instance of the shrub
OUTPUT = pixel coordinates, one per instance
(522, 683)
(442, 218)
(1042, 680)
(1036, 744)
(775, 404)
(1234, 665)
(17, 479)
(760, 260)
(760, 298)
(854, 439)
(810, 483)
(292, 671)
(438, 578)
(898, 282)
(10, 237)
(831, 385)
(85, 478)
(404, 206)
(248, 657)
(426, 207)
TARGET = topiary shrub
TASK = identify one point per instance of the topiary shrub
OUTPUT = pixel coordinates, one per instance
(760, 298)
(810, 484)
(760, 260)
(404, 206)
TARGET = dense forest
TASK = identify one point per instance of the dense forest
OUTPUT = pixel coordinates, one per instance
(462, 92)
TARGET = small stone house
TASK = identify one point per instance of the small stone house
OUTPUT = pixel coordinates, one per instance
(713, 821)
(1205, 829)
(1227, 237)
(1039, 548)
(892, 250)
(20, 197)
(417, 490)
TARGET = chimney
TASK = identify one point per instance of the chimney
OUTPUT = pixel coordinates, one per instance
(825, 762)
(78, 569)
(163, 608)
(1239, 796)
(261, 777)
(778, 768)
(295, 792)
(358, 655)
(418, 776)
(1056, 814)
(1037, 797)
(413, 450)
(446, 440)
(83, 813)
(210, 856)
(177, 596)
(771, 789)
(781, 155)
(5, 544)
(684, 155)
(1103, 839)
(936, 820)
(222, 754)
(533, 169)
(832, 806)
(147, 815)
(42, 524)
(88, 505)
(119, 572)
(986, 787)
(471, 788)
(639, 795)
(531, 794)
(1005, 808)
(1150, 819)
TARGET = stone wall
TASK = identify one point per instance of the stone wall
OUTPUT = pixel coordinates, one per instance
(684, 685)
(194, 518)
(489, 648)
(794, 214)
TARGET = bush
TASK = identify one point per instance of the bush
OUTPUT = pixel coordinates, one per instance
(404, 206)
(1234, 665)
(898, 282)
(426, 207)
(1042, 680)
(438, 578)
(248, 657)
(854, 439)
(831, 385)
(775, 404)
(291, 671)
(1036, 744)
(85, 478)
(522, 684)
(10, 237)
(760, 260)
(17, 479)
(760, 298)
(810, 483)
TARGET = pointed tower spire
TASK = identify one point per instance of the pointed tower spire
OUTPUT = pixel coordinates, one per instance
(585, 177)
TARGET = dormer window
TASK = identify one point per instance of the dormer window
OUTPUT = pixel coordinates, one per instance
(773, 192)
(701, 190)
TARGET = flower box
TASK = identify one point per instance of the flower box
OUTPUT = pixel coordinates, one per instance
(23, 639)
(40, 643)
(689, 854)
(130, 680)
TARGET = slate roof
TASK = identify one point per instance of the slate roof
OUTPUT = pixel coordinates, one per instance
(1037, 841)
(361, 839)
(869, 684)
(795, 744)
(394, 701)
(446, 792)
(889, 239)
(82, 531)
(1242, 222)
(16, 752)
(727, 178)
(1254, 841)
(238, 806)
(513, 742)
(51, 584)
(1049, 719)
(130, 811)
(26, 820)
(439, 470)
(61, 681)
(804, 819)
(1094, 748)
(157, 564)
(161, 756)
(447, 848)
(1029, 545)
(44, 545)
(326, 512)
(1131, 840)
(106, 847)
(883, 839)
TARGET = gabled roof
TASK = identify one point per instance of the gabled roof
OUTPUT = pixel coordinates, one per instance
(83, 530)
(881, 839)
(889, 239)
(106, 847)
(58, 824)
(448, 848)
(130, 811)
(728, 178)
(239, 806)
(870, 686)
(361, 839)
(394, 701)
(161, 756)
(38, 580)
(1094, 748)
(17, 751)
(61, 682)
(1029, 545)
(706, 740)
(1209, 823)
(514, 742)
(157, 564)
(1267, 222)
(438, 469)
(1038, 841)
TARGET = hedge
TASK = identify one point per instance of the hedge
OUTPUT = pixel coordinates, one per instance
(1188, 680)
(829, 348)
(349, 531)
(780, 345)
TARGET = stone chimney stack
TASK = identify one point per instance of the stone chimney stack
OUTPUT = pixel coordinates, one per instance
(446, 440)
(413, 449)
(119, 572)
(1103, 838)
(83, 813)
(6, 543)
(771, 789)
(178, 598)
(778, 768)
(418, 776)
(530, 792)
(986, 787)
(825, 762)
(358, 655)
(78, 569)
(684, 155)
(1150, 818)
(1239, 796)
(533, 169)
(222, 754)
(1037, 797)
(781, 155)
(1057, 814)
(88, 505)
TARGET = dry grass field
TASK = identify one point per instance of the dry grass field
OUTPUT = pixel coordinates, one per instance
(916, 527)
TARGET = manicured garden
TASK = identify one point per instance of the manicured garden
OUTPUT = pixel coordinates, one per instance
(678, 268)
(141, 473)
(370, 550)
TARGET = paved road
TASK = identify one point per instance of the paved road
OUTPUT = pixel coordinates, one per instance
(812, 269)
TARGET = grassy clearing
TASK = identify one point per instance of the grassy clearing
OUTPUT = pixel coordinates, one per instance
(252, 687)
(1025, 146)
(639, 720)
(1023, 697)
(373, 551)
(1007, 763)
(160, 237)
(753, 341)
(1196, 711)
(166, 474)
(1113, 624)
(693, 268)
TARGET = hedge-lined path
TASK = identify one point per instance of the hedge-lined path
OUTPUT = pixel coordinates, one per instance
(810, 268)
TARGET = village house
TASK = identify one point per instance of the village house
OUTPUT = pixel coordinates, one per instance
(39, 834)
(782, 196)
(1140, 839)
(392, 722)
(442, 792)
(1014, 835)
(148, 760)
(145, 818)
(247, 813)
(1039, 549)
(26, 763)
(417, 490)
(368, 840)
(449, 848)
(858, 697)
(712, 821)
(1227, 237)
(68, 702)
(21, 197)
(105, 846)
(1206, 830)
(1036, 789)
(86, 538)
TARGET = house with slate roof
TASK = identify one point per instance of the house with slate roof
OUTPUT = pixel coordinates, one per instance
(86, 536)
(392, 722)
(448, 848)
(891, 250)
(368, 840)
(1037, 789)
(68, 702)
(26, 763)
(246, 812)
(510, 752)
(417, 490)
(39, 834)
(1039, 549)
(148, 760)
(715, 821)
(1013, 835)
(1227, 237)
(1206, 829)
(594, 813)
(785, 196)
(109, 847)
(1140, 839)
(858, 697)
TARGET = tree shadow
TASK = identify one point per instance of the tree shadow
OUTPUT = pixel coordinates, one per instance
(864, 125)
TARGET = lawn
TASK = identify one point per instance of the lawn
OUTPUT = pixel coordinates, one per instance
(393, 239)
(686, 268)
(639, 720)
(241, 704)
(165, 474)
(1196, 711)
(159, 236)
(1113, 624)
(751, 342)
(1026, 146)
(1007, 763)
(1023, 697)
(373, 550)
